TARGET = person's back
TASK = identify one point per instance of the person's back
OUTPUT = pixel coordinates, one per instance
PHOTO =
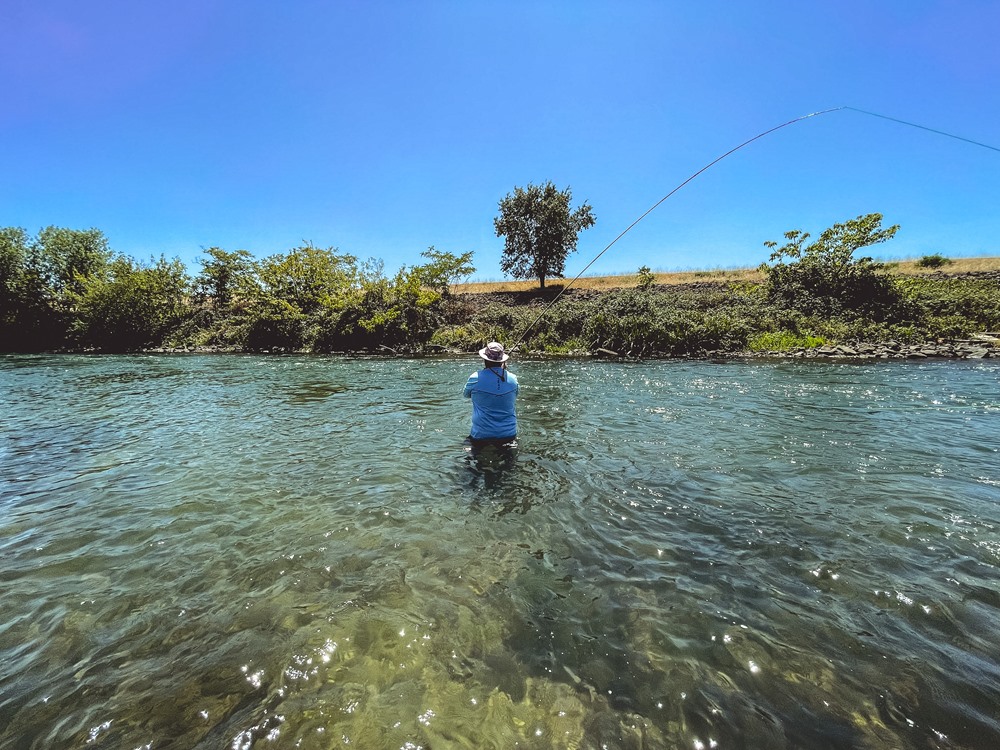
(493, 391)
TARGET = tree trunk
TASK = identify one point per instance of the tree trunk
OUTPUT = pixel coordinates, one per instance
(541, 281)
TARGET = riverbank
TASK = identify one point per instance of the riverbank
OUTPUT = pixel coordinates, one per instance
(909, 267)
(939, 315)
(934, 315)
(985, 347)
(944, 316)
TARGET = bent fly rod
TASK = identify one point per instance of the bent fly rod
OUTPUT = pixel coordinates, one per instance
(712, 164)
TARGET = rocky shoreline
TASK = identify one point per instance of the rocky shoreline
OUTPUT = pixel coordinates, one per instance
(986, 346)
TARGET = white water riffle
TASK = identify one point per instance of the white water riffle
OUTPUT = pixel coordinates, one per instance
(301, 552)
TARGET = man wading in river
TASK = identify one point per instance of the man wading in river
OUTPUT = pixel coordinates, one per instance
(493, 391)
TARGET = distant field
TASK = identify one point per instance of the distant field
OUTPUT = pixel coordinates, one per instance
(907, 267)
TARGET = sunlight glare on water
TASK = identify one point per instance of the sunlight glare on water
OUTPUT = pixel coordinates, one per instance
(301, 552)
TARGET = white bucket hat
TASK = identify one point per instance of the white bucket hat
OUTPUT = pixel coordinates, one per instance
(493, 352)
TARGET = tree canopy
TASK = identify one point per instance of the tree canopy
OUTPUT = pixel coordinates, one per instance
(825, 277)
(540, 230)
(222, 274)
(41, 278)
(65, 288)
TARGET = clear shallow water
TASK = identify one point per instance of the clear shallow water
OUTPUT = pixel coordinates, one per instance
(299, 552)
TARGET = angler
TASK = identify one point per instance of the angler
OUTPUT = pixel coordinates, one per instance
(493, 391)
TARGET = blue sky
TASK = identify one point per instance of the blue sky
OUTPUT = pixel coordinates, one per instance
(381, 128)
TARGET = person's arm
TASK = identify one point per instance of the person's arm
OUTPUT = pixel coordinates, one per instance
(470, 384)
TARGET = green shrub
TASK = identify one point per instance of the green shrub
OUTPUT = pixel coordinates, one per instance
(280, 325)
(933, 261)
(646, 278)
(783, 341)
(824, 277)
(465, 337)
(128, 305)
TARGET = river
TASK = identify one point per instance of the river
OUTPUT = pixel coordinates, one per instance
(256, 552)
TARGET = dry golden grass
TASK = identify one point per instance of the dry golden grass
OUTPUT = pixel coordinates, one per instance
(957, 265)
(624, 281)
(620, 281)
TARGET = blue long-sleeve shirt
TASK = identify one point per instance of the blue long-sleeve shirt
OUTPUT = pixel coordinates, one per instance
(493, 391)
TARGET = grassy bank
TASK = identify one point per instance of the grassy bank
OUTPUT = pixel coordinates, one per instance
(905, 267)
(681, 315)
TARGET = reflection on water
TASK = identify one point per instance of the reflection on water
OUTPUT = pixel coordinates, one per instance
(297, 552)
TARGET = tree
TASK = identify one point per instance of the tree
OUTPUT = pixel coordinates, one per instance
(824, 277)
(290, 293)
(398, 311)
(222, 273)
(40, 278)
(69, 256)
(308, 277)
(540, 231)
(444, 269)
(13, 257)
(130, 305)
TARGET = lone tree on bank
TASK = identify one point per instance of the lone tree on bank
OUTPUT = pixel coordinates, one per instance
(540, 231)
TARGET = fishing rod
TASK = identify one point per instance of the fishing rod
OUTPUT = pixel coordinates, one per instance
(712, 164)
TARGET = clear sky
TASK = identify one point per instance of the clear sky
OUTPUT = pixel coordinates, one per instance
(383, 127)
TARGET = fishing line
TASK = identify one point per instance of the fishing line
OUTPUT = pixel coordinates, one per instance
(922, 127)
(712, 164)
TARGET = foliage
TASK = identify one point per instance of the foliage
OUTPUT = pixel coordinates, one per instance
(463, 337)
(539, 230)
(824, 277)
(640, 323)
(14, 281)
(64, 288)
(444, 269)
(734, 317)
(975, 302)
(68, 257)
(273, 324)
(387, 313)
(39, 279)
(494, 321)
(222, 274)
(307, 278)
(282, 298)
(933, 261)
(128, 306)
(783, 341)
(646, 278)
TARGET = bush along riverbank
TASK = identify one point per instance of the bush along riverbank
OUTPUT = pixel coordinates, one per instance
(65, 291)
(931, 316)
(936, 316)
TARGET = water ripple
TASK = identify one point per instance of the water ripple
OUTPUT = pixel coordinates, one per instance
(301, 552)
